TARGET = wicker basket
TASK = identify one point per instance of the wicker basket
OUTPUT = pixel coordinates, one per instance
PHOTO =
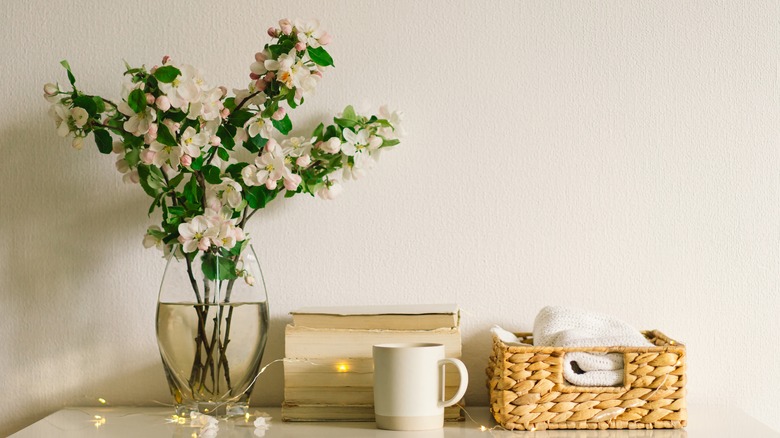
(528, 392)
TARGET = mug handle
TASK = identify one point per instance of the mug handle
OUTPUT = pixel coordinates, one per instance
(464, 381)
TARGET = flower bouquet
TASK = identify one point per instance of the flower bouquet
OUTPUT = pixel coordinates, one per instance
(209, 161)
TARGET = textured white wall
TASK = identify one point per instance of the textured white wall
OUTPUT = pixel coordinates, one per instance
(618, 156)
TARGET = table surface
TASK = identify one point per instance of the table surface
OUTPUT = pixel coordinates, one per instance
(127, 422)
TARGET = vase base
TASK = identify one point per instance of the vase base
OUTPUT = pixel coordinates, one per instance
(223, 409)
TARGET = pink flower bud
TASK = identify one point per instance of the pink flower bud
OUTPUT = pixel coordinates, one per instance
(325, 39)
(300, 46)
(153, 69)
(271, 146)
(303, 161)
(223, 90)
(279, 114)
(78, 143)
(286, 26)
(165, 59)
(186, 160)
(269, 76)
(270, 184)
(50, 89)
(292, 182)
(224, 113)
(149, 98)
(215, 141)
(133, 176)
(332, 146)
(260, 85)
(318, 74)
(147, 156)
(254, 76)
(163, 103)
(118, 147)
(260, 57)
(272, 32)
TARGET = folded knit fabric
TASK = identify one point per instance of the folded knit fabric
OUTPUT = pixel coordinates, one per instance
(566, 327)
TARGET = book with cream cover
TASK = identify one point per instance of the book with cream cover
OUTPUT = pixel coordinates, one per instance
(397, 317)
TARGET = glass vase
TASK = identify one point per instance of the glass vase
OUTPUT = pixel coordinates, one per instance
(212, 327)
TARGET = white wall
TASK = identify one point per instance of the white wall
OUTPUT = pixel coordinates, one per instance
(618, 156)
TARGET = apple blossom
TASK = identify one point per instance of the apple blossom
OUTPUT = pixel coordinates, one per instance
(138, 123)
(200, 121)
(354, 142)
(297, 146)
(166, 154)
(196, 234)
(331, 146)
(192, 141)
(309, 32)
(257, 125)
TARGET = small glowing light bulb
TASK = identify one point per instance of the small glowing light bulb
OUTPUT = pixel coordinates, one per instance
(246, 416)
(533, 428)
(342, 368)
(194, 435)
(102, 400)
(482, 428)
(97, 417)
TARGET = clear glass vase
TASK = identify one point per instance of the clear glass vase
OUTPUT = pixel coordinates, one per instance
(212, 326)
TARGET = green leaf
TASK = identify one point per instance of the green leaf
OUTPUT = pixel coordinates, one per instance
(284, 126)
(259, 196)
(198, 162)
(345, 123)
(318, 131)
(133, 157)
(167, 74)
(392, 142)
(174, 182)
(255, 144)
(291, 100)
(349, 113)
(164, 135)
(320, 56)
(240, 117)
(103, 141)
(230, 103)
(87, 103)
(192, 191)
(71, 78)
(217, 267)
(330, 132)
(223, 154)
(147, 180)
(137, 100)
(100, 104)
(211, 173)
(226, 137)
(234, 169)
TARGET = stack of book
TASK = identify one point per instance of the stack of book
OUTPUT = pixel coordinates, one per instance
(328, 368)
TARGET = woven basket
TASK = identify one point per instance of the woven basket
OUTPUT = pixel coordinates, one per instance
(528, 391)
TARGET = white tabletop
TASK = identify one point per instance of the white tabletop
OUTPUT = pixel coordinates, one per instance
(128, 422)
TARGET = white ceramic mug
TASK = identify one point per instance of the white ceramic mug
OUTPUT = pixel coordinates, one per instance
(409, 385)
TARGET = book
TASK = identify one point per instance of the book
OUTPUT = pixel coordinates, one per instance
(311, 343)
(339, 373)
(399, 317)
(360, 412)
(350, 395)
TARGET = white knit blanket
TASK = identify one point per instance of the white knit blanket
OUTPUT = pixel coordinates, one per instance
(566, 327)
